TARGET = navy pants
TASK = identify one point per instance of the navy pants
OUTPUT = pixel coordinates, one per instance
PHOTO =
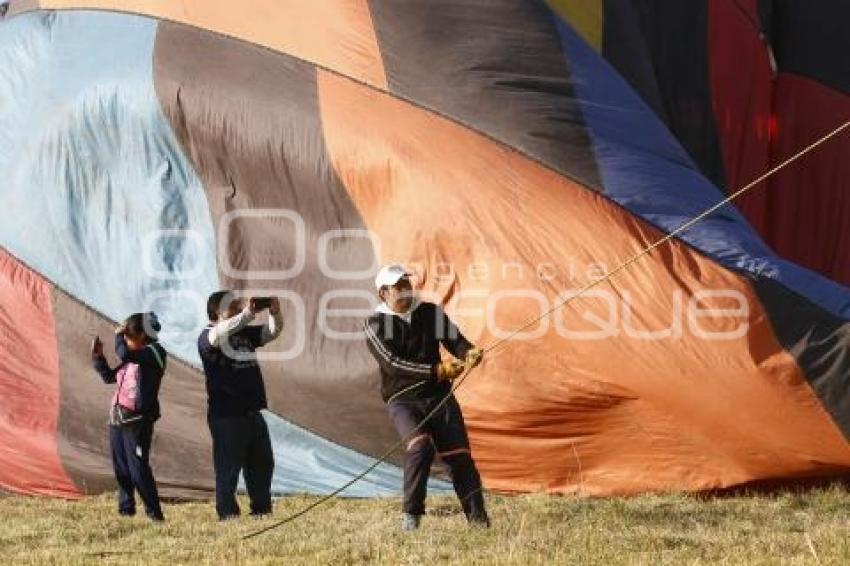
(131, 445)
(242, 444)
(445, 435)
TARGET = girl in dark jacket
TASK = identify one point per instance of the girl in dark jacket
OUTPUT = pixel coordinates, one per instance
(134, 408)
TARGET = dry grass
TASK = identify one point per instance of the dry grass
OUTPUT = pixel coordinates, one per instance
(790, 528)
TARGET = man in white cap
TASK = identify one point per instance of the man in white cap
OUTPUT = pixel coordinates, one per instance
(405, 335)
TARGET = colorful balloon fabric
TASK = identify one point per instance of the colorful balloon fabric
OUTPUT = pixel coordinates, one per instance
(507, 152)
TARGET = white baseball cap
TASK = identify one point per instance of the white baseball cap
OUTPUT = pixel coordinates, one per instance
(389, 275)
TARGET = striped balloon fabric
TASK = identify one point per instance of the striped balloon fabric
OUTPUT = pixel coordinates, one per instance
(506, 152)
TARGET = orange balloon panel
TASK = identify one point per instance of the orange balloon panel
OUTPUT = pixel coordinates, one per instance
(561, 409)
(30, 388)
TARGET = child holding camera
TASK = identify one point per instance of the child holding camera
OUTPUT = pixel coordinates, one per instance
(134, 408)
(236, 396)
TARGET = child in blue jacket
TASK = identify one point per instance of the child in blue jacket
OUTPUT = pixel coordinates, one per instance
(134, 408)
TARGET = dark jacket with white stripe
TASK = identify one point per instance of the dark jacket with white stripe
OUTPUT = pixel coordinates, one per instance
(407, 348)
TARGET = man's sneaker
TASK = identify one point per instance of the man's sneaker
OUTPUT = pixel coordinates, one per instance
(481, 522)
(410, 522)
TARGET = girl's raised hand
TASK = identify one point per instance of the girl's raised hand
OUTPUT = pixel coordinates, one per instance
(96, 348)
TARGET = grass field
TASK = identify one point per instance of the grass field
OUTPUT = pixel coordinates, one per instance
(809, 527)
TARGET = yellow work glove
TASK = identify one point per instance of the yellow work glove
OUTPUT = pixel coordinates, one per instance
(448, 370)
(473, 357)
